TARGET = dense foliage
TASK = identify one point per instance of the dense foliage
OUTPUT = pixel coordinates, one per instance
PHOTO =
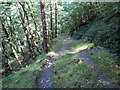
(25, 33)
(33, 32)
(94, 22)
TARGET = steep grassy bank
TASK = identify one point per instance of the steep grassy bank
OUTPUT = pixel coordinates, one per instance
(25, 77)
(105, 34)
(95, 22)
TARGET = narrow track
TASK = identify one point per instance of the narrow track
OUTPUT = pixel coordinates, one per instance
(45, 79)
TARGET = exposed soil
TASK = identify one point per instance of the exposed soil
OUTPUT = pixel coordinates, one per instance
(45, 79)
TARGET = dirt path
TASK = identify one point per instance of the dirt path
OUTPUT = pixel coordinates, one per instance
(45, 80)
(101, 77)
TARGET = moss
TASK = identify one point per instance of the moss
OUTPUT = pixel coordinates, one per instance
(70, 71)
(57, 43)
(108, 63)
(25, 77)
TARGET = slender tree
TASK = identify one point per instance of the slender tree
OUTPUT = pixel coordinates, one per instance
(33, 18)
(56, 20)
(6, 64)
(43, 18)
(51, 22)
(18, 41)
(32, 45)
(24, 25)
(10, 43)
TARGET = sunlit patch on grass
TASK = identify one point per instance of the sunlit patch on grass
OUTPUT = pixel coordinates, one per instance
(108, 63)
(50, 53)
(77, 46)
(80, 62)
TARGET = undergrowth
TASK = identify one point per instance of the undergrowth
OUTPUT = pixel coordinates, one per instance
(103, 34)
(25, 77)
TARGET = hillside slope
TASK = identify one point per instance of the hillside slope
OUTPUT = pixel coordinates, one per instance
(100, 24)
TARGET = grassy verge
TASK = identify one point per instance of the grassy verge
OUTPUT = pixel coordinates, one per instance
(108, 63)
(25, 77)
(77, 46)
(70, 71)
(57, 43)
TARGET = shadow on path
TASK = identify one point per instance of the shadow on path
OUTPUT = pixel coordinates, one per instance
(45, 80)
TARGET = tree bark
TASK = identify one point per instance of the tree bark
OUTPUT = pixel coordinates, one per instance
(24, 26)
(6, 65)
(56, 20)
(32, 45)
(9, 41)
(35, 27)
(33, 18)
(13, 29)
(51, 22)
(43, 18)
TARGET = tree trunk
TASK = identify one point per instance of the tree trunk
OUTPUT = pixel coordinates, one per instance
(51, 24)
(6, 65)
(43, 18)
(32, 45)
(12, 25)
(24, 27)
(33, 18)
(56, 20)
(9, 41)
(37, 34)
(35, 28)
(13, 29)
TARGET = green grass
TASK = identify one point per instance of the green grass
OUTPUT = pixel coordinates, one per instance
(108, 63)
(77, 46)
(25, 77)
(57, 43)
(70, 71)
